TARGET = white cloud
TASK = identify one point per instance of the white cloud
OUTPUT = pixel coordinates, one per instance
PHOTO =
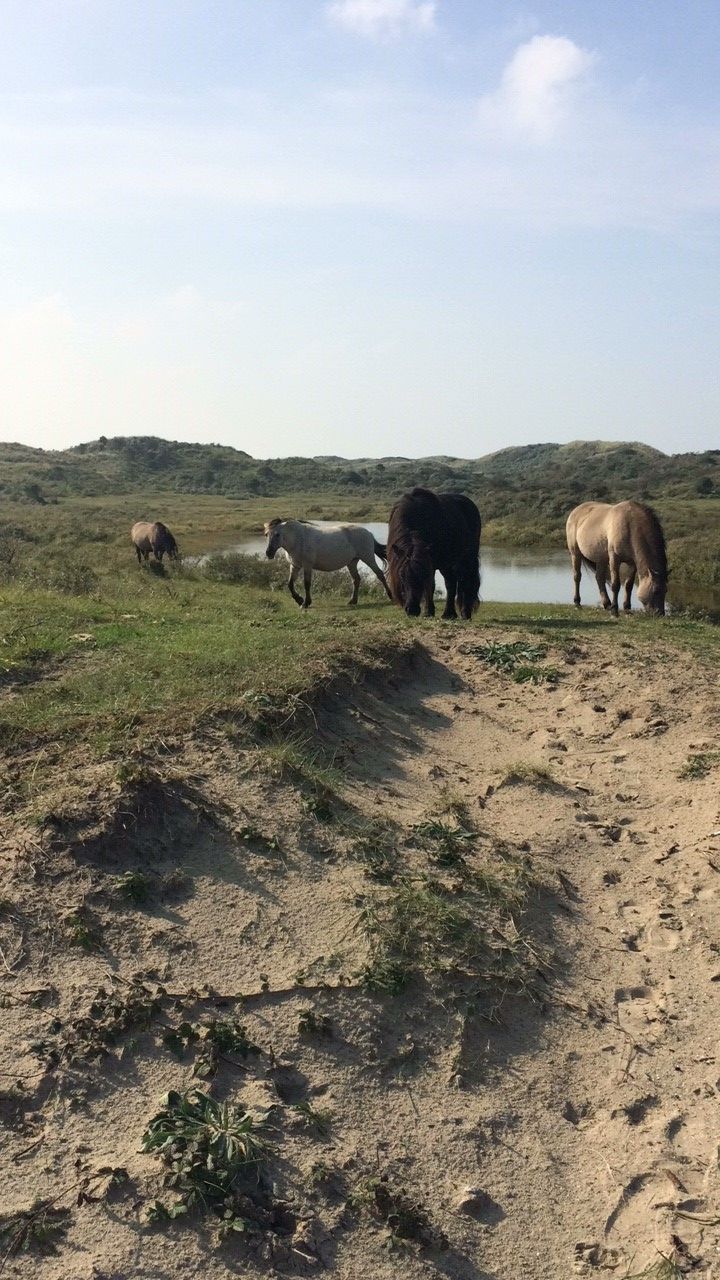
(536, 87)
(383, 19)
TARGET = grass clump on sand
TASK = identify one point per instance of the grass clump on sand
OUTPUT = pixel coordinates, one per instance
(426, 928)
(663, 1269)
(699, 764)
(526, 771)
(447, 842)
(211, 1152)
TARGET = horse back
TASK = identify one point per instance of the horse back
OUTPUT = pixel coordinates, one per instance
(448, 523)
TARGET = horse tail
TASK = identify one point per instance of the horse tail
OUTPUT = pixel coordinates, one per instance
(380, 550)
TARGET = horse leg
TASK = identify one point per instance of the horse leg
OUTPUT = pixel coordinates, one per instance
(614, 582)
(601, 577)
(294, 571)
(468, 591)
(307, 579)
(138, 553)
(577, 575)
(378, 574)
(353, 571)
(629, 584)
(450, 591)
(429, 597)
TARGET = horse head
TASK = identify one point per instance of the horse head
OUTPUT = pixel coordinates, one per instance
(651, 592)
(273, 533)
(410, 572)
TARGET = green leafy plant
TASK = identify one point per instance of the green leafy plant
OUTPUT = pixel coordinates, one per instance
(314, 1024)
(180, 1038)
(82, 934)
(220, 1038)
(316, 1120)
(211, 1152)
(518, 660)
(134, 887)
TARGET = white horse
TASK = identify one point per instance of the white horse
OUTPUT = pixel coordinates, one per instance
(308, 548)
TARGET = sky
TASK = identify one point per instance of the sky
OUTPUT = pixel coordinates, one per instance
(360, 227)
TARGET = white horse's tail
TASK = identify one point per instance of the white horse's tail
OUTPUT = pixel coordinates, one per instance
(380, 551)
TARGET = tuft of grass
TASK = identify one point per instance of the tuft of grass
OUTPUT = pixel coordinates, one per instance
(699, 764)
(376, 850)
(295, 759)
(447, 843)
(38, 1229)
(663, 1269)
(423, 928)
(535, 775)
(210, 1150)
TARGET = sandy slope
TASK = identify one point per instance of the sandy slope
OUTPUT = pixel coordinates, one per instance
(589, 1120)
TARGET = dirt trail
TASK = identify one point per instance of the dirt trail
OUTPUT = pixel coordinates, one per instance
(588, 1120)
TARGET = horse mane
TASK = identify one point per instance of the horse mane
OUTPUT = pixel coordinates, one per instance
(408, 563)
(659, 535)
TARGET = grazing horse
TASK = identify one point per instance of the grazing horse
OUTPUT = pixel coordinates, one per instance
(604, 537)
(430, 531)
(155, 537)
(308, 548)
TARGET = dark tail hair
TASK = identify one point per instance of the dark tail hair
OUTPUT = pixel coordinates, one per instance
(380, 551)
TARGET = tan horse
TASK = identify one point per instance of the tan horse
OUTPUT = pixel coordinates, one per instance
(604, 537)
(155, 537)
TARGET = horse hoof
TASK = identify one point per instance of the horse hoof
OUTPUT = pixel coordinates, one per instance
(352, 604)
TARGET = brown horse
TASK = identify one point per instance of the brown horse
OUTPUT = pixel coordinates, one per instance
(429, 531)
(604, 537)
(155, 537)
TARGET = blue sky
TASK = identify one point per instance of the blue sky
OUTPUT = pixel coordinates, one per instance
(360, 226)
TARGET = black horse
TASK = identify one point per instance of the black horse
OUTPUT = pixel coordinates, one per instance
(430, 531)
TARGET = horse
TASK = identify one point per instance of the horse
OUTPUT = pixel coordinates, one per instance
(429, 531)
(155, 537)
(604, 537)
(308, 548)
